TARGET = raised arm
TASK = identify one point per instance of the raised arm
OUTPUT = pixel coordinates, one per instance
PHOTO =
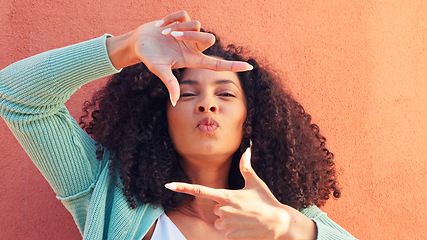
(33, 91)
(32, 96)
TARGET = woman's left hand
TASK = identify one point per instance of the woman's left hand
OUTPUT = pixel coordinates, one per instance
(252, 212)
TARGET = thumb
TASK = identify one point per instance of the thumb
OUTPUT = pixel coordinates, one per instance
(165, 74)
(248, 173)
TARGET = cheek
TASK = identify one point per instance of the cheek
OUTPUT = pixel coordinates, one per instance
(240, 120)
(179, 125)
(173, 122)
(243, 119)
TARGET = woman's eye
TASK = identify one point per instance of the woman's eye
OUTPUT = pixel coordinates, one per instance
(188, 95)
(226, 95)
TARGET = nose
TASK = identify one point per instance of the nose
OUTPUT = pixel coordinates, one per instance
(206, 106)
(209, 109)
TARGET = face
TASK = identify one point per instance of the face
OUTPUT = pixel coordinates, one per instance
(206, 122)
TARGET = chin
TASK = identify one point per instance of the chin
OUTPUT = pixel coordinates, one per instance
(208, 151)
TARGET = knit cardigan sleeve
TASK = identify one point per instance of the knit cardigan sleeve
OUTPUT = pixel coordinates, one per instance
(326, 228)
(32, 96)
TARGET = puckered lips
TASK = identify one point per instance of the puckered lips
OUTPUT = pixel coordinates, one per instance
(207, 125)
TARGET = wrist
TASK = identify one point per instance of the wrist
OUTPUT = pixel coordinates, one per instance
(121, 51)
(303, 227)
(296, 225)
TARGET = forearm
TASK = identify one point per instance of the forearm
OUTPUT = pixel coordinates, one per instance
(42, 82)
(303, 228)
(121, 50)
(293, 225)
(32, 96)
(310, 223)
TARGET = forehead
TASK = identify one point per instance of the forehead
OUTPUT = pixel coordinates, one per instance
(209, 76)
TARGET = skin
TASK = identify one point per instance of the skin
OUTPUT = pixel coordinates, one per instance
(250, 213)
(162, 53)
(206, 157)
(207, 93)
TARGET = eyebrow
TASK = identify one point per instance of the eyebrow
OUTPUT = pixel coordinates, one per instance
(217, 82)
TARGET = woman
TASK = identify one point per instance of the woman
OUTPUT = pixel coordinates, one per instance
(144, 141)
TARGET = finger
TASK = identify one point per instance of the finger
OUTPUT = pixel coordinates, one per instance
(216, 209)
(243, 234)
(165, 74)
(218, 195)
(185, 26)
(202, 40)
(181, 16)
(216, 64)
(247, 171)
(218, 224)
(192, 25)
(223, 211)
(241, 228)
(235, 224)
(167, 29)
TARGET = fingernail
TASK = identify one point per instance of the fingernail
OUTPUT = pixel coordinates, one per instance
(171, 186)
(172, 101)
(248, 154)
(159, 23)
(250, 67)
(166, 31)
(218, 226)
(177, 34)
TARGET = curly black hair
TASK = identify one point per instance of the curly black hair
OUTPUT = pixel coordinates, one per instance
(289, 154)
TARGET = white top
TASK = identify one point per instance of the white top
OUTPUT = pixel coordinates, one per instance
(166, 230)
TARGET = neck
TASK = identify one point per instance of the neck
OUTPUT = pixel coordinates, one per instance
(206, 174)
(209, 172)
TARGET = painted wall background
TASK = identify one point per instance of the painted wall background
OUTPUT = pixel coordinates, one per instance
(359, 67)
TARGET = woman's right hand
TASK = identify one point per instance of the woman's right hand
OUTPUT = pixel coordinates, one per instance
(174, 42)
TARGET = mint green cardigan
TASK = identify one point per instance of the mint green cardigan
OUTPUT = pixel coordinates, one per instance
(32, 96)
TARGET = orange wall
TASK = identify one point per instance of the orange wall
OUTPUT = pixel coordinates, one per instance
(359, 67)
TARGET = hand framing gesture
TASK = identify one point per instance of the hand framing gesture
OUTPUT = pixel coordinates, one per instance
(252, 212)
(174, 42)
